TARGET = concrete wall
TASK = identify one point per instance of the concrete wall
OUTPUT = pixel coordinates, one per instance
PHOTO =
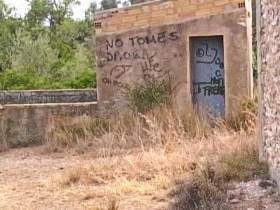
(130, 55)
(47, 96)
(23, 125)
(26, 116)
(268, 15)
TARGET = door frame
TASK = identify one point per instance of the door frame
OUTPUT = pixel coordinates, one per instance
(190, 66)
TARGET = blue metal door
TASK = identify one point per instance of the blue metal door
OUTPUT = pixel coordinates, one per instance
(208, 74)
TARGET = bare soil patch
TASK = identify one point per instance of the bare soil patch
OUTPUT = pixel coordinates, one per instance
(30, 179)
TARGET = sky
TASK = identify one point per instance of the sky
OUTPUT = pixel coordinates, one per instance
(21, 7)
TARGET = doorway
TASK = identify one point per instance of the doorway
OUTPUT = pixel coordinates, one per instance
(208, 76)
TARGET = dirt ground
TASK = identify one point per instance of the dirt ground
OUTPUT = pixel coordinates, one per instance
(30, 179)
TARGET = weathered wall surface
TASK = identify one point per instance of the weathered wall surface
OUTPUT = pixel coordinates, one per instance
(269, 45)
(157, 12)
(131, 57)
(44, 96)
(22, 125)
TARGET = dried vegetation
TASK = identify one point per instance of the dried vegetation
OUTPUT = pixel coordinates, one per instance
(184, 160)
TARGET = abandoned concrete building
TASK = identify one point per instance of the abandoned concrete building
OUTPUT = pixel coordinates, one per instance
(202, 47)
(268, 16)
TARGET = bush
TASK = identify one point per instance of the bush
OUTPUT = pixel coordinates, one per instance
(244, 167)
(246, 117)
(149, 96)
(203, 191)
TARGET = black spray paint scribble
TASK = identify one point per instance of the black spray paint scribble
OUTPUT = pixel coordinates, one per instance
(116, 53)
(216, 85)
(124, 51)
(213, 87)
(208, 55)
(116, 75)
(151, 69)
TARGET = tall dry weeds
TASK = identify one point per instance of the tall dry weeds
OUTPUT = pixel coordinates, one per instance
(159, 127)
(162, 150)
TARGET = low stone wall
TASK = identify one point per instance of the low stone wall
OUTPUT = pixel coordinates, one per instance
(48, 96)
(23, 125)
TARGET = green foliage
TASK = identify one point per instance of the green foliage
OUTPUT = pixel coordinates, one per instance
(8, 40)
(37, 66)
(89, 15)
(4, 10)
(137, 1)
(45, 50)
(109, 4)
(243, 167)
(149, 96)
(52, 11)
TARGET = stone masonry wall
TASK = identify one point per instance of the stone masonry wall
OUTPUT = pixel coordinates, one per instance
(269, 53)
(157, 12)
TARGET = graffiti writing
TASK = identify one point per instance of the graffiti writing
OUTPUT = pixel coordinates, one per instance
(215, 86)
(120, 56)
(160, 38)
(209, 56)
(114, 43)
(115, 52)
(116, 75)
(132, 52)
(206, 55)
(151, 68)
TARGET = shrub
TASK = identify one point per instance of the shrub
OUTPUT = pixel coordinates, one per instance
(242, 167)
(149, 96)
(207, 186)
(203, 191)
(246, 117)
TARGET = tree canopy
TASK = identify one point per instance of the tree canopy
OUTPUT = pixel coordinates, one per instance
(46, 49)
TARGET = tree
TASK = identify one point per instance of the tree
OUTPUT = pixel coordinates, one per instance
(109, 4)
(47, 49)
(8, 40)
(5, 11)
(49, 11)
(137, 1)
(54, 18)
(90, 12)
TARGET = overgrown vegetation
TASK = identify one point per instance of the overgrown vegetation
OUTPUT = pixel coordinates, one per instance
(245, 118)
(186, 151)
(46, 49)
(150, 95)
(185, 156)
(170, 150)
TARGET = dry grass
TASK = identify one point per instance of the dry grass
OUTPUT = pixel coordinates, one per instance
(128, 130)
(186, 159)
(197, 168)
(138, 161)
